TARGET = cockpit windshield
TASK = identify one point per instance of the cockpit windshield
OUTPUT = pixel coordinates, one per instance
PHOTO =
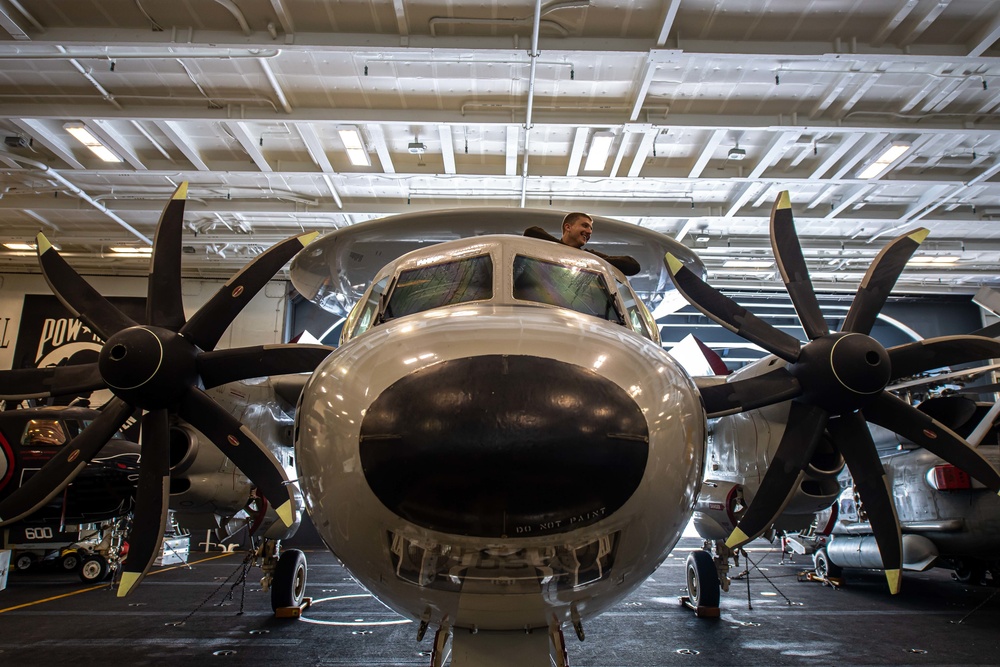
(437, 285)
(565, 286)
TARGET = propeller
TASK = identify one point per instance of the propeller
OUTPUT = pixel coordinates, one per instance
(161, 367)
(836, 381)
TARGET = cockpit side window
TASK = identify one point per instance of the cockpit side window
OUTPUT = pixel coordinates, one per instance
(565, 286)
(638, 315)
(362, 316)
(427, 287)
(43, 432)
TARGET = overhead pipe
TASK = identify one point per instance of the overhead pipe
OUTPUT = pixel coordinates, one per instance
(533, 54)
(101, 89)
(237, 14)
(23, 53)
(78, 192)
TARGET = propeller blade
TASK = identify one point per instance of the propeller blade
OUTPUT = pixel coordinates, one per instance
(977, 389)
(792, 265)
(924, 355)
(243, 448)
(222, 366)
(741, 395)
(730, 314)
(879, 280)
(22, 383)
(854, 440)
(802, 433)
(77, 295)
(55, 475)
(991, 331)
(206, 326)
(151, 500)
(898, 416)
(164, 305)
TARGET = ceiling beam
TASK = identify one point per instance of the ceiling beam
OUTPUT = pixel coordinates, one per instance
(642, 150)
(381, 148)
(10, 23)
(447, 148)
(707, 152)
(250, 144)
(669, 16)
(177, 136)
(103, 130)
(40, 133)
(315, 147)
(985, 38)
(511, 152)
(774, 152)
(935, 10)
(575, 151)
(893, 22)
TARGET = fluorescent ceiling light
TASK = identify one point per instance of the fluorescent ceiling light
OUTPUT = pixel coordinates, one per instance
(747, 264)
(131, 250)
(84, 136)
(19, 246)
(882, 162)
(600, 148)
(355, 148)
(943, 260)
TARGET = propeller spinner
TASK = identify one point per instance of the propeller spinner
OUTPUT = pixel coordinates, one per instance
(160, 366)
(837, 382)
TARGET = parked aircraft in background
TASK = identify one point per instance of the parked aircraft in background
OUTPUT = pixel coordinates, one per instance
(500, 446)
(948, 519)
(164, 367)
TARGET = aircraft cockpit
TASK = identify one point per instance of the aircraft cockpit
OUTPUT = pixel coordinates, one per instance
(500, 270)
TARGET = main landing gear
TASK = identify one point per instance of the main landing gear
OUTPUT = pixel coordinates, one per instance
(285, 576)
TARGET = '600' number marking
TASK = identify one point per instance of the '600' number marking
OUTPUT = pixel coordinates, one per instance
(38, 533)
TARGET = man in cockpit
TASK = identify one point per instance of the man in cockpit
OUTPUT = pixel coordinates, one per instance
(576, 231)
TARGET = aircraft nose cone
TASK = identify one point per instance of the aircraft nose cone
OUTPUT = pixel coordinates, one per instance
(504, 446)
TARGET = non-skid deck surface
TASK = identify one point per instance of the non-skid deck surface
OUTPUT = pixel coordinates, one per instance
(51, 619)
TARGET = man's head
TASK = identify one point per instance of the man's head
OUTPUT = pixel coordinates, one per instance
(576, 229)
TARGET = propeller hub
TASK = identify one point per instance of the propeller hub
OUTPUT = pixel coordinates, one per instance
(843, 371)
(148, 367)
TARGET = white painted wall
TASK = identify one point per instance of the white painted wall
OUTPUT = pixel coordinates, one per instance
(260, 323)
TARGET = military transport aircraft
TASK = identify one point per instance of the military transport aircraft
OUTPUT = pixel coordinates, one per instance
(500, 447)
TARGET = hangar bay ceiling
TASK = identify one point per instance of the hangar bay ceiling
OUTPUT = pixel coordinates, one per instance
(684, 116)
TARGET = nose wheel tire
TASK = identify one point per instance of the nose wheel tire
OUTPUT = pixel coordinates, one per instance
(702, 584)
(288, 588)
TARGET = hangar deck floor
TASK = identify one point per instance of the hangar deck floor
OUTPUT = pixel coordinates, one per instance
(51, 619)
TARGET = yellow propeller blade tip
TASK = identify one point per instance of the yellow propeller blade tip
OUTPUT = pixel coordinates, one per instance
(306, 239)
(737, 538)
(784, 201)
(285, 513)
(128, 582)
(893, 577)
(43, 244)
(181, 192)
(673, 264)
(920, 234)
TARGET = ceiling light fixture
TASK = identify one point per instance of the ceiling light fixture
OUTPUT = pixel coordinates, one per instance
(600, 148)
(943, 260)
(737, 153)
(83, 135)
(19, 246)
(131, 250)
(355, 147)
(747, 264)
(884, 161)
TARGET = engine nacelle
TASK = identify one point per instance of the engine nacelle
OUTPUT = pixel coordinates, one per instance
(718, 510)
